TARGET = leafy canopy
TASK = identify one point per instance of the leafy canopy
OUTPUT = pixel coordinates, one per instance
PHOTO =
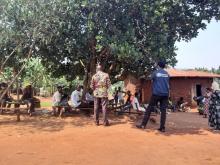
(71, 36)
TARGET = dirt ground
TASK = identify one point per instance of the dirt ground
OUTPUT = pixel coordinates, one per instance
(75, 140)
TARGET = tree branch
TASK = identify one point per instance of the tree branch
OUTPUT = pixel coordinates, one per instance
(3, 64)
(16, 76)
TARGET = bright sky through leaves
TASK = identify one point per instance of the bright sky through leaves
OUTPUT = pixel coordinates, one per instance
(203, 51)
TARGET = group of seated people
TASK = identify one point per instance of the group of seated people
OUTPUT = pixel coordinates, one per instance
(181, 105)
(131, 101)
(27, 97)
(61, 98)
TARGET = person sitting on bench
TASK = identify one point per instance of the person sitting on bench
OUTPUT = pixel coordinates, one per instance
(75, 97)
(89, 97)
(120, 96)
(78, 103)
(28, 99)
(64, 101)
(56, 99)
(6, 98)
(136, 104)
(128, 101)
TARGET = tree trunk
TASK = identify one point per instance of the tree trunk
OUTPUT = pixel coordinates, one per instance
(90, 71)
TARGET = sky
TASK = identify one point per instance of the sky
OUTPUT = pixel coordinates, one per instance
(203, 51)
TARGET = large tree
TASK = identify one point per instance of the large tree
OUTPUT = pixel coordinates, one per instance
(71, 36)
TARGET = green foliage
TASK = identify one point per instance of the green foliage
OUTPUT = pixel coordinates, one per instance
(6, 75)
(71, 36)
(46, 104)
(213, 70)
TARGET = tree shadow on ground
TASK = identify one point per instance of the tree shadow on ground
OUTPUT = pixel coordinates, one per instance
(43, 121)
(179, 124)
(33, 124)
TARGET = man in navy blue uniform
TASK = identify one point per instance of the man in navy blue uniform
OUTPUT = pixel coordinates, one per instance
(160, 93)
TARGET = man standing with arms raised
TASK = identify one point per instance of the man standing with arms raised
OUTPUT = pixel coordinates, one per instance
(160, 93)
(100, 84)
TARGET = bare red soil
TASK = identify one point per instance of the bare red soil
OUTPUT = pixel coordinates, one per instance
(45, 140)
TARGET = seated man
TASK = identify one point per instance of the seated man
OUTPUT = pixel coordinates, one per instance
(56, 99)
(65, 97)
(76, 100)
(28, 98)
(128, 101)
(136, 104)
(65, 100)
(6, 98)
(76, 97)
(120, 96)
(89, 97)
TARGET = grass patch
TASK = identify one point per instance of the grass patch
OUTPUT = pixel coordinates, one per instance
(46, 104)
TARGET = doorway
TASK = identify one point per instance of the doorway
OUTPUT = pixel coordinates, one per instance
(198, 90)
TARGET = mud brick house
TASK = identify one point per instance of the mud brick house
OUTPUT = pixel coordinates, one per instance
(183, 83)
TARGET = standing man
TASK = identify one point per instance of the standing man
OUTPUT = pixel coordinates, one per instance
(160, 93)
(100, 84)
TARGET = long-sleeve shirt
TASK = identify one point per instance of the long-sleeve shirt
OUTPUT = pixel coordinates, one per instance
(56, 98)
(100, 84)
(75, 98)
(136, 105)
(89, 97)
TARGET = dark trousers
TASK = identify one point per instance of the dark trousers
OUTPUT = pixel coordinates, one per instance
(3, 102)
(103, 102)
(31, 102)
(163, 100)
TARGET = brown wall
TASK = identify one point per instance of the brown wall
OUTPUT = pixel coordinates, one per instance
(180, 87)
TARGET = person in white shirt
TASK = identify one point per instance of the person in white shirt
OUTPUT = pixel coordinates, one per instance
(136, 104)
(89, 97)
(56, 99)
(76, 97)
(120, 96)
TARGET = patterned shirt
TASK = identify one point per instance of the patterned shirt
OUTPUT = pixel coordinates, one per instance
(100, 84)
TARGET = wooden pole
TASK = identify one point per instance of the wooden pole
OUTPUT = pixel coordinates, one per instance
(17, 87)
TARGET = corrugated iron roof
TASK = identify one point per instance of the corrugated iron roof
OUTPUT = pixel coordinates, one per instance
(190, 73)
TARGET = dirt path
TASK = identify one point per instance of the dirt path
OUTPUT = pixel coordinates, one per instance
(75, 140)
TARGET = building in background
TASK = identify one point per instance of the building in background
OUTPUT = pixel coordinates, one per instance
(183, 83)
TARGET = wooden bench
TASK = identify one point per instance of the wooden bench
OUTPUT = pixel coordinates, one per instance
(62, 108)
(17, 109)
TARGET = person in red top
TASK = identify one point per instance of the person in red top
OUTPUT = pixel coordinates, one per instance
(100, 84)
